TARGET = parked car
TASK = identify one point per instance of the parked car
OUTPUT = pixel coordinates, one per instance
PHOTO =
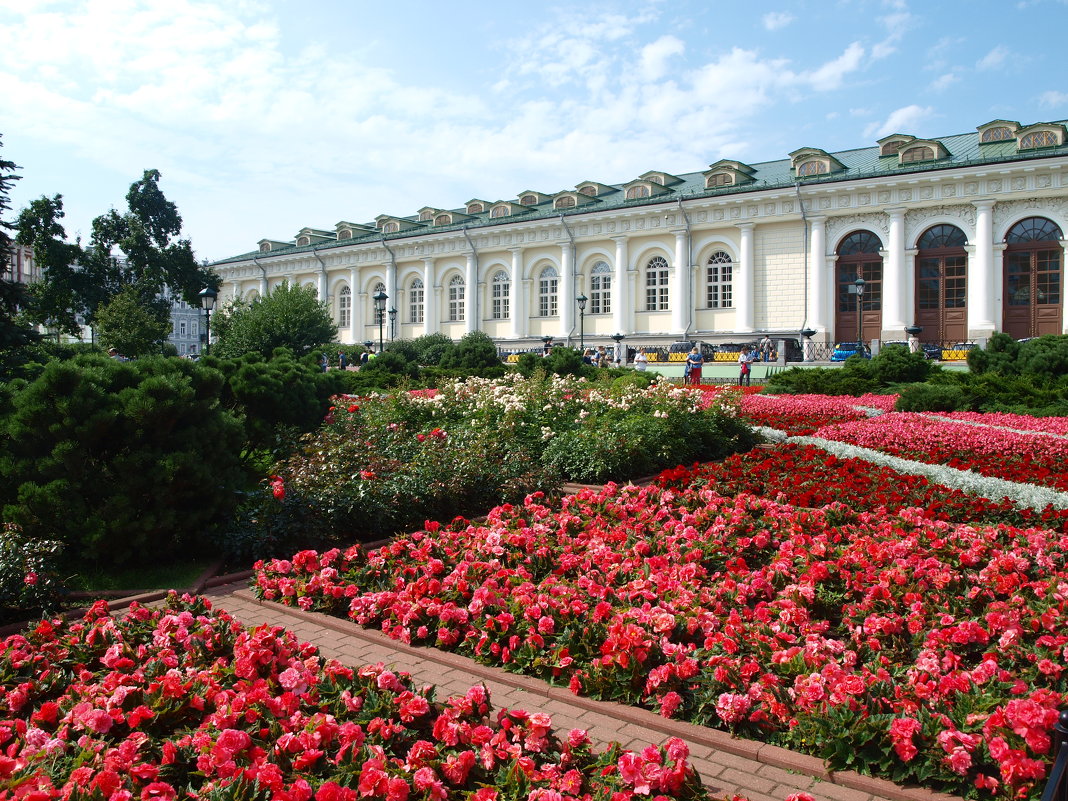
(843, 350)
(931, 350)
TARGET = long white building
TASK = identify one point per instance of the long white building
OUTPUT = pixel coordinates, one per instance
(962, 235)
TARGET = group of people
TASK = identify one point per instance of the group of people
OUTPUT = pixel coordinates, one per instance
(695, 363)
(598, 358)
(343, 360)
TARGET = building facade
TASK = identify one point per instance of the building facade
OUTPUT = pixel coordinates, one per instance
(961, 235)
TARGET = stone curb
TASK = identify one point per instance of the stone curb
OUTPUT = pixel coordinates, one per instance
(699, 735)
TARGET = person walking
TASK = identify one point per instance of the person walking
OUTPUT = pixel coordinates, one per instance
(745, 369)
(694, 362)
(765, 348)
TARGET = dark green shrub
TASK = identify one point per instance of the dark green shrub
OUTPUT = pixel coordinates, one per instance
(430, 348)
(474, 351)
(896, 365)
(393, 364)
(121, 461)
(999, 356)
(932, 398)
(527, 363)
(567, 361)
(853, 378)
(1045, 356)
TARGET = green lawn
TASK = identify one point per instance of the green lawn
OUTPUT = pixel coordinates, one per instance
(178, 575)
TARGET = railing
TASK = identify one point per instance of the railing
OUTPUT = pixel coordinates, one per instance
(1057, 783)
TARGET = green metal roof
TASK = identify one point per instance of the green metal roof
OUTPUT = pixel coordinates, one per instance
(964, 151)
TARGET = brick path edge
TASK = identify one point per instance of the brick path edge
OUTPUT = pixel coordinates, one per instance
(698, 735)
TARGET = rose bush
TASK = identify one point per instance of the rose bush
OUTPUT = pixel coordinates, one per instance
(182, 701)
(817, 629)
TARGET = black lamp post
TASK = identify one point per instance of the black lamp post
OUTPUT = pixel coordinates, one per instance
(619, 338)
(380, 298)
(581, 300)
(208, 296)
(392, 322)
(859, 284)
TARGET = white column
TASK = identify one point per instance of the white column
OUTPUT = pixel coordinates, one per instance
(817, 279)
(680, 288)
(743, 282)
(471, 296)
(430, 306)
(894, 289)
(359, 316)
(355, 308)
(622, 302)
(981, 273)
(516, 307)
(522, 305)
(391, 285)
(566, 291)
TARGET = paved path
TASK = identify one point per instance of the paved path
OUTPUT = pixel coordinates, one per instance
(727, 765)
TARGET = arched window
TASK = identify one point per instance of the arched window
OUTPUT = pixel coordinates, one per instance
(812, 168)
(1038, 139)
(914, 154)
(941, 284)
(390, 227)
(415, 301)
(656, 284)
(499, 211)
(344, 307)
(501, 289)
(719, 179)
(456, 299)
(265, 247)
(1032, 288)
(344, 233)
(425, 215)
(589, 190)
(601, 288)
(719, 275)
(443, 219)
(637, 191)
(528, 200)
(547, 292)
(475, 208)
(565, 202)
(996, 134)
(302, 241)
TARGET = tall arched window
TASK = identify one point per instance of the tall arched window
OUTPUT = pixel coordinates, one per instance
(456, 299)
(941, 284)
(601, 289)
(375, 314)
(501, 288)
(719, 276)
(344, 307)
(859, 256)
(416, 298)
(1032, 267)
(656, 284)
(547, 292)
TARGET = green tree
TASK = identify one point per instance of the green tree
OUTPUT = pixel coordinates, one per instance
(474, 351)
(289, 316)
(122, 461)
(57, 298)
(13, 331)
(133, 324)
(152, 255)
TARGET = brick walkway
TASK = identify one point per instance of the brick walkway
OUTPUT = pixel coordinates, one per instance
(727, 765)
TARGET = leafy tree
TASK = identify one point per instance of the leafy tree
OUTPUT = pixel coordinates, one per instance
(57, 298)
(475, 350)
(289, 316)
(13, 331)
(122, 461)
(430, 348)
(133, 324)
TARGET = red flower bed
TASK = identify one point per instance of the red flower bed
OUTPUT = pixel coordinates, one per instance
(908, 647)
(803, 475)
(184, 702)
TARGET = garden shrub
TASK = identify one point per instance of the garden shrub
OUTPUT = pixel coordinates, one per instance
(895, 364)
(29, 574)
(932, 398)
(121, 461)
(429, 348)
(475, 350)
(392, 363)
(855, 377)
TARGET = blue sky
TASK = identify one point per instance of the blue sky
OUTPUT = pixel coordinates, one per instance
(265, 117)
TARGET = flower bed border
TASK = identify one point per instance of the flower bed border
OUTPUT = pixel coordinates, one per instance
(763, 753)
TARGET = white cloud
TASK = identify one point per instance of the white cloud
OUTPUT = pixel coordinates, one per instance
(944, 81)
(904, 120)
(831, 74)
(995, 59)
(1054, 99)
(775, 20)
(655, 56)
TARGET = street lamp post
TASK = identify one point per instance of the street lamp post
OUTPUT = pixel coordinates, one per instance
(581, 300)
(859, 284)
(208, 296)
(380, 298)
(619, 338)
(392, 322)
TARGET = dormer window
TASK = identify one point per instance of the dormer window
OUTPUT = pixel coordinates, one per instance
(636, 192)
(997, 134)
(565, 202)
(1037, 139)
(265, 247)
(589, 189)
(443, 219)
(914, 154)
(426, 214)
(718, 180)
(303, 240)
(661, 178)
(657, 179)
(390, 227)
(500, 211)
(813, 167)
(891, 145)
(528, 200)
(475, 208)
(344, 233)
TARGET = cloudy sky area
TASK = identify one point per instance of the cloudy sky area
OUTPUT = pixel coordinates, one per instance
(265, 117)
